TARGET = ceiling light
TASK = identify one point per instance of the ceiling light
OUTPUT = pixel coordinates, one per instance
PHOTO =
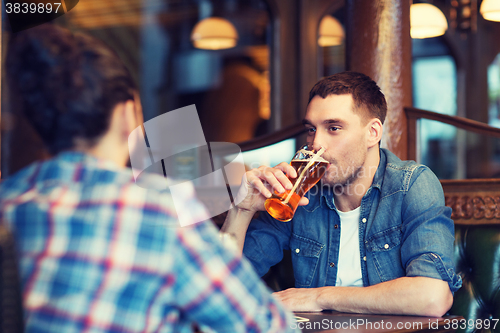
(214, 33)
(490, 9)
(426, 21)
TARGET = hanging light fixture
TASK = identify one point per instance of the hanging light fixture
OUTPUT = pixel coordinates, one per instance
(214, 33)
(490, 9)
(331, 32)
(426, 21)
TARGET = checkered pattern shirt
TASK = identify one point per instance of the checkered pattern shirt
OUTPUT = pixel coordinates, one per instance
(100, 253)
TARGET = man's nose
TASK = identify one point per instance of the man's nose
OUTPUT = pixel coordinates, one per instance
(318, 142)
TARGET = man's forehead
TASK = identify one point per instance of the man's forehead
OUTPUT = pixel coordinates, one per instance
(332, 106)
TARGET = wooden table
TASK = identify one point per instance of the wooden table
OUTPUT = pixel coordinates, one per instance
(332, 321)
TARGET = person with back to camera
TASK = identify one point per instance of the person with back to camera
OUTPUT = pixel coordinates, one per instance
(98, 253)
(374, 236)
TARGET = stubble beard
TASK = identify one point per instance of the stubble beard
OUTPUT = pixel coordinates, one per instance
(339, 180)
(334, 179)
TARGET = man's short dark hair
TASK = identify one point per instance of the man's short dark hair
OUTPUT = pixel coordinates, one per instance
(67, 84)
(365, 92)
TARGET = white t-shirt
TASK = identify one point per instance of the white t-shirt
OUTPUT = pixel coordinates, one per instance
(349, 265)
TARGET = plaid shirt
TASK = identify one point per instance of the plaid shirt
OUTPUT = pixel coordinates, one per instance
(100, 253)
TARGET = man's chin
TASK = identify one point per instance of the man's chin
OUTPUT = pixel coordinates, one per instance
(326, 181)
(333, 181)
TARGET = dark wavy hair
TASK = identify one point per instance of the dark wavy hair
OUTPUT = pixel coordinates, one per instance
(365, 92)
(67, 84)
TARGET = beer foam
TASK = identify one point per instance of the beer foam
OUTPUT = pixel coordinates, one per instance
(313, 156)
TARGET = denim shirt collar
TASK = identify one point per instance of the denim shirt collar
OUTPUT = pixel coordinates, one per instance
(378, 179)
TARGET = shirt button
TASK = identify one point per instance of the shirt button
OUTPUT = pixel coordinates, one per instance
(336, 226)
(297, 250)
(364, 258)
(332, 264)
(386, 246)
(363, 220)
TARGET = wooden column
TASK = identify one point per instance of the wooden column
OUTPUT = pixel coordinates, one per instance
(284, 58)
(379, 45)
(1, 128)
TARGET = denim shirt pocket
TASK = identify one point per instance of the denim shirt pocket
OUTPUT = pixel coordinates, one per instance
(385, 249)
(305, 258)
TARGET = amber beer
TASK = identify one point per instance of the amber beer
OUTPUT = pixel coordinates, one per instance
(282, 206)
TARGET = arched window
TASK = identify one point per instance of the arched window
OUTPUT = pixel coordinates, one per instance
(331, 43)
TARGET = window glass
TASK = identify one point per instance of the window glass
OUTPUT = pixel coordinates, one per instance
(272, 155)
(494, 110)
(435, 89)
(494, 92)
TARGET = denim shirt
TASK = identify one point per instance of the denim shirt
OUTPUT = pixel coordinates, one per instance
(404, 230)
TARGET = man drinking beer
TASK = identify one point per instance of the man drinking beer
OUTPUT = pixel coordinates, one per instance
(374, 236)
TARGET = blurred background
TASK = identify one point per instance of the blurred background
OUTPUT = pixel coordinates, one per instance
(248, 66)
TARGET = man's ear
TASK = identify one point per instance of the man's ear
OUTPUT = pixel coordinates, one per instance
(375, 130)
(129, 118)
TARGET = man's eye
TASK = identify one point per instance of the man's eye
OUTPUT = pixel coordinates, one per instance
(333, 129)
(311, 130)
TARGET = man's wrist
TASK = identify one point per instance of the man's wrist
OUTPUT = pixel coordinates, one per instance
(237, 219)
(241, 213)
(325, 297)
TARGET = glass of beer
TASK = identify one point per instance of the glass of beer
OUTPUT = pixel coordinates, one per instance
(310, 167)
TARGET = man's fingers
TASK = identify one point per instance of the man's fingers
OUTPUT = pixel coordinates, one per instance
(287, 169)
(303, 201)
(257, 183)
(266, 179)
(277, 179)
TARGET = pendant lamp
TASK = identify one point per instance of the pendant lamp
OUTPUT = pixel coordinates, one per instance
(214, 33)
(490, 9)
(426, 21)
